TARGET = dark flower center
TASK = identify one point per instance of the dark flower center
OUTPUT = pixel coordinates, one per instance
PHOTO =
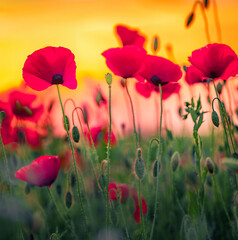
(213, 74)
(156, 81)
(57, 79)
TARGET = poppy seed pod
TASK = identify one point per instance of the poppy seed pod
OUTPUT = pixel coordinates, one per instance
(139, 165)
(2, 115)
(75, 134)
(154, 168)
(209, 165)
(175, 159)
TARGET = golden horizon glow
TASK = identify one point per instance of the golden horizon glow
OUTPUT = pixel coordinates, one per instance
(87, 28)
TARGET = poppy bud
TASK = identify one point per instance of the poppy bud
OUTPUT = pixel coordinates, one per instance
(219, 88)
(75, 134)
(155, 46)
(66, 123)
(108, 77)
(154, 168)
(68, 199)
(175, 159)
(209, 165)
(59, 189)
(139, 165)
(2, 115)
(185, 68)
(73, 179)
(189, 19)
(102, 181)
(123, 82)
(206, 3)
(85, 115)
(215, 118)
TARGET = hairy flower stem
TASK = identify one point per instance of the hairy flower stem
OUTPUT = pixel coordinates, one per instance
(133, 115)
(75, 167)
(158, 156)
(223, 118)
(141, 213)
(5, 158)
(108, 155)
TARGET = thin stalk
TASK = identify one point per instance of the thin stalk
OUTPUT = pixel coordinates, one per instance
(108, 155)
(133, 115)
(157, 113)
(5, 157)
(124, 221)
(157, 180)
(141, 213)
(222, 117)
(75, 167)
(218, 26)
(218, 190)
(204, 18)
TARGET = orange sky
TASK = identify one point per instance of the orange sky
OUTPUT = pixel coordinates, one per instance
(86, 27)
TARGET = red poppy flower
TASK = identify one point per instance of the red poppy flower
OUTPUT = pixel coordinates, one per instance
(124, 191)
(137, 206)
(48, 66)
(113, 137)
(145, 89)
(193, 75)
(112, 193)
(129, 36)
(158, 70)
(217, 61)
(41, 172)
(96, 133)
(126, 61)
(6, 128)
(26, 135)
(21, 105)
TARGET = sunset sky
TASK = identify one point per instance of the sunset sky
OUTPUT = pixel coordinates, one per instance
(87, 28)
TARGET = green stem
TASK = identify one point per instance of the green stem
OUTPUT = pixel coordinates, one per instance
(133, 115)
(218, 191)
(5, 158)
(75, 167)
(222, 117)
(124, 221)
(141, 213)
(158, 156)
(108, 156)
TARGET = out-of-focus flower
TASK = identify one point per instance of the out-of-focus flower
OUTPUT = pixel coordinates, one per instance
(126, 61)
(106, 137)
(21, 105)
(41, 172)
(145, 89)
(158, 70)
(100, 99)
(48, 66)
(136, 213)
(129, 36)
(26, 135)
(6, 128)
(217, 61)
(193, 75)
(124, 191)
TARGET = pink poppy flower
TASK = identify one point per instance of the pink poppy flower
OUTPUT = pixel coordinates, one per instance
(217, 61)
(41, 172)
(48, 66)
(96, 133)
(124, 191)
(137, 206)
(158, 70)
(193, 75)
(21, 105)
(129, 36)
(145, 89)
(111, 193)
(126, 61)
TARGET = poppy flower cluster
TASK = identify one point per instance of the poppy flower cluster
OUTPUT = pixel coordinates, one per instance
(43, 171)
(19, 107)
(125, 191)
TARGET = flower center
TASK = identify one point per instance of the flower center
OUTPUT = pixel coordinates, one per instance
(57, 79)
(156, 81)
(213, 74)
